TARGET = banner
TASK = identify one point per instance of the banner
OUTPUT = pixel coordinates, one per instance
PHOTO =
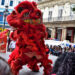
(3, 41)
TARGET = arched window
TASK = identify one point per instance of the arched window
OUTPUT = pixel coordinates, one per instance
(11, 2)
(3, 1)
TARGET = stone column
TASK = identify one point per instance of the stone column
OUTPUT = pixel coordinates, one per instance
(53, 32)
(64, 31)
(74, 37)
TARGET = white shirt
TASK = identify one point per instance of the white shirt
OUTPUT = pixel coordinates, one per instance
(12, 44)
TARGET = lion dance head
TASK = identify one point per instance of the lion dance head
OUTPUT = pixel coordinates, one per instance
(24, 14)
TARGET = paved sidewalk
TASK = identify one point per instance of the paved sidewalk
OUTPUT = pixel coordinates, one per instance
(5, 55)
(25, 70)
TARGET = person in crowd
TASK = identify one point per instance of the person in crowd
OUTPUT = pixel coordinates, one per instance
(70, 50)
(68, 65)
(12, 45)
(67, 49)
(47, 49)
(4, 67)
(51, 49)
(58, 63)
(54, 48)
(56, 51)
(8, 44)
(60, 51)
(74, 50)
(65, 64)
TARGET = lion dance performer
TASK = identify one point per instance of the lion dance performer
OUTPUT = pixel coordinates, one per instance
(29, 33)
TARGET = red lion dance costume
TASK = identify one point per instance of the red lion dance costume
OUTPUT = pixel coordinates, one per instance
(29, 35)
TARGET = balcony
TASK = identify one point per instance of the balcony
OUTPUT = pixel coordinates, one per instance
(2, 22)
(59, 19)
(6, 24)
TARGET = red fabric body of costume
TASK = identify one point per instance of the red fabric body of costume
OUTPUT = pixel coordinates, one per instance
(29, 35)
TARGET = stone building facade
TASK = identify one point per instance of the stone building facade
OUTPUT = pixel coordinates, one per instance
(59, 18)
(11, 4)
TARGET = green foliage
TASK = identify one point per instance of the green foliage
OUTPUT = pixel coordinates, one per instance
(73, 9)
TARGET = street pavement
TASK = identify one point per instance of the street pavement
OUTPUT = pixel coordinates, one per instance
(26, 70)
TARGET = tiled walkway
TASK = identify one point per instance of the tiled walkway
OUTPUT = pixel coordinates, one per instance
(25, 70)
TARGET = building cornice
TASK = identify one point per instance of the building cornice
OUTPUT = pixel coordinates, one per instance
(60, 24)
(51, 3)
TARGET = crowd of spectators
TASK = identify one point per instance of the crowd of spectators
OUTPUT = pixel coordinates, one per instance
(58, 50)
(64, 65)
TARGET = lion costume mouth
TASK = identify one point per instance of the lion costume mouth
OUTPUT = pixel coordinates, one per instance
(33, 21)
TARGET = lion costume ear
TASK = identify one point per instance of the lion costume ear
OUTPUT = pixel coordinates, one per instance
(13, 12)
(34, 3)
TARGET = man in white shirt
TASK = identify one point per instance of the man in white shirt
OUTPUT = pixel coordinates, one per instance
(12, 45)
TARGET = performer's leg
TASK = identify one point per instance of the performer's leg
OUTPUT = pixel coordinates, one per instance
(47, 69)
(16, 65)
(12, 56)
(33, 65)
(47, 66)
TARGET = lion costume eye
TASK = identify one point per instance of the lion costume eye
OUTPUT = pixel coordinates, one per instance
(20, 9)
